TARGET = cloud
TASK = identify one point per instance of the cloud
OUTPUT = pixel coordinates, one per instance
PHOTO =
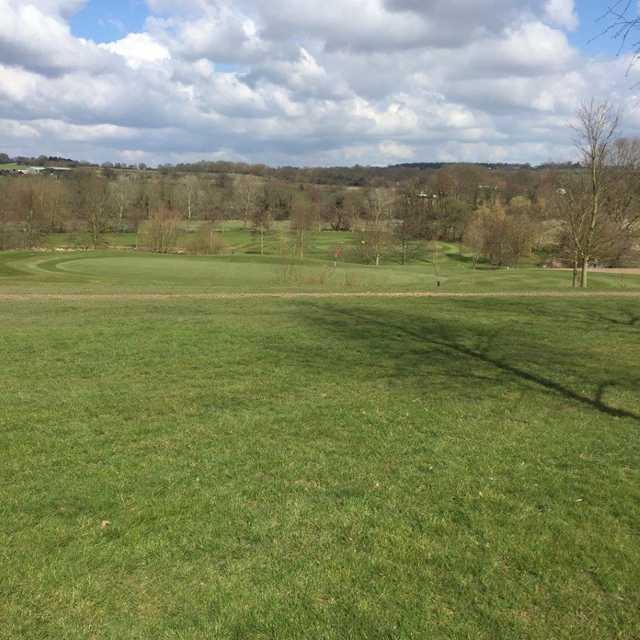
(562, 13)
(138, 49)
(36, 36)
(368, 81)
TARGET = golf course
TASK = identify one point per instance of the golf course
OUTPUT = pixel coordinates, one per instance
(250, 446)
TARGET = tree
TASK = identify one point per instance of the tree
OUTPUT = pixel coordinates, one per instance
(160, 232)
(411, 222)
(245, 197)
(377, 227)
(337, 212)
(189, 191)
(502, 235)
(582, 194)
(92, 203)
(621, 22)
(122, 194)
(304, 214)
(474, 236)
(262, 214)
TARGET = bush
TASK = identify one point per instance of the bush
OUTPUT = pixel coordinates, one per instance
(159, 233)
(206, 241)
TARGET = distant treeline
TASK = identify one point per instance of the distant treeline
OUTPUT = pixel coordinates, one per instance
(502, 213)
(355, 176)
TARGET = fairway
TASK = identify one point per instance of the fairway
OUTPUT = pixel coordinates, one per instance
(131, 272)
(350, 468)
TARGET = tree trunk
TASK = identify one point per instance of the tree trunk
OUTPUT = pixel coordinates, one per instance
(261, 241)
(404, 251)
(377, 259)
(574, 282)
(584, 273)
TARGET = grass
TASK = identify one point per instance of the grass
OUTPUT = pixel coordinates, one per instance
(315, 468)
(320, 469)
(128, 271)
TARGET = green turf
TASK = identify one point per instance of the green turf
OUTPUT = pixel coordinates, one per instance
(395, 469)
(128, 271)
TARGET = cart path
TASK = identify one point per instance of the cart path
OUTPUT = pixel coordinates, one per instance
(142, 297)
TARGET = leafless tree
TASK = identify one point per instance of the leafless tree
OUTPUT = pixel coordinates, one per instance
(622, 22)
(377, 227)
(583, 196)
(92, 203)
(305, 213)
(189, 190)
(160, 232)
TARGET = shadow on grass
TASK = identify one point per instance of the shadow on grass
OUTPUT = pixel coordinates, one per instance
(627, 320)
(427, 346)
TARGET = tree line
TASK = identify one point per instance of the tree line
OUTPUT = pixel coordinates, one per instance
(581, 215)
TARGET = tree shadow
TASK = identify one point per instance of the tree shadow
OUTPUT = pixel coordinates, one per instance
(452, 351)
(628, 319)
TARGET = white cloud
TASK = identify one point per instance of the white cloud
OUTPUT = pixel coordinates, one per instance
(396, 150)
(562, 13)
(138, 49)
(369, 81)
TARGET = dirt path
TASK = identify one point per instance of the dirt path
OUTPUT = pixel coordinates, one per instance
(108, 297)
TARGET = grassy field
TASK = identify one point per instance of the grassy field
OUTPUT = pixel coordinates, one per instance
(128, 271)
(315, 468)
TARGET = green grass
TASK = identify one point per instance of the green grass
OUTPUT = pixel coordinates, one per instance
(346, 468)
(387, 469)
(128, 271)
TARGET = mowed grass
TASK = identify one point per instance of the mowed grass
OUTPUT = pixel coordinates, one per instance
(128, 271)
(327, 469)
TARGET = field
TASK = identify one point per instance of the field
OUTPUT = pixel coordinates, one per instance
(445, 268)
(175, 466)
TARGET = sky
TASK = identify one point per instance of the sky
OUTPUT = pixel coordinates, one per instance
(307, 83)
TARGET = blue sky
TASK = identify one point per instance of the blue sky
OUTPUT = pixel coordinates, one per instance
(300, 82)
(588, 36)
(108, 20)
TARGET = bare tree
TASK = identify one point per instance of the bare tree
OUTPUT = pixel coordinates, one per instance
(262, 214)
(583, 211)
(189, 192)
(304, 215)
(122, 190)
(92, 203)
(503, 236)
(246, 194)
(622, 21)
(411, 216)
(160, 232)
(377, 227)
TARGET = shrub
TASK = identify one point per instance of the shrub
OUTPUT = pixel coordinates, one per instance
(205, 241)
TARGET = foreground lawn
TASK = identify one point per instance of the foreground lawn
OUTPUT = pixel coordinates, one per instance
(320, 469)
